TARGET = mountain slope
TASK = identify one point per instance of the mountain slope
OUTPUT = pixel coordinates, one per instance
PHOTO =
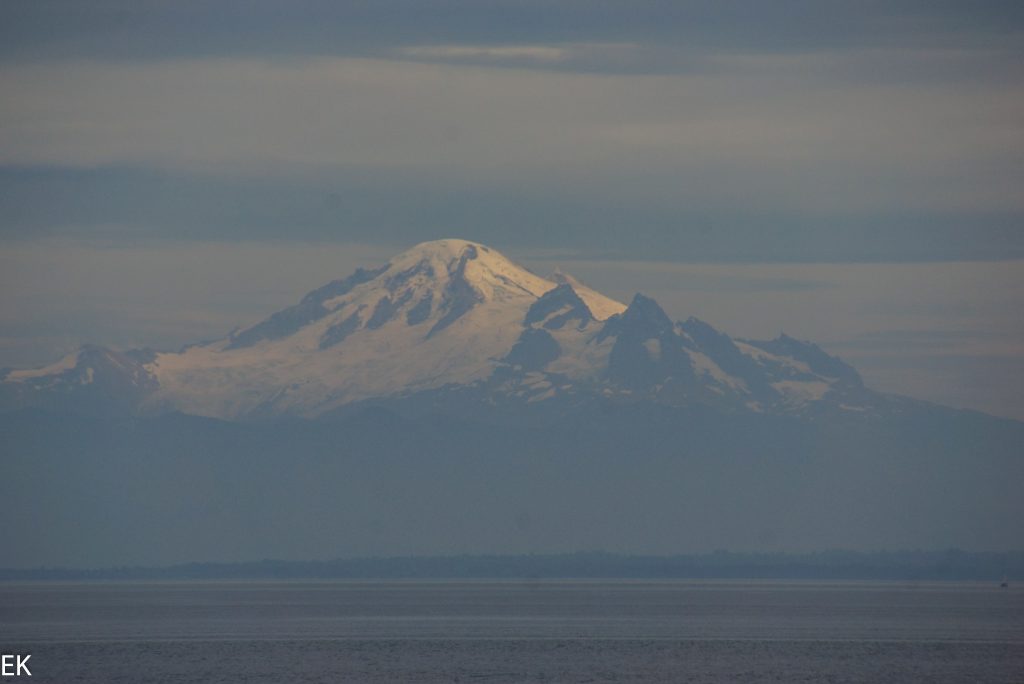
(450, 314)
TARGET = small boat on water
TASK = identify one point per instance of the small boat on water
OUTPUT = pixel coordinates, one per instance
(1005, 584)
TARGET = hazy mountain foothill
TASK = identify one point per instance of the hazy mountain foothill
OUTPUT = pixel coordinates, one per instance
(452, 402)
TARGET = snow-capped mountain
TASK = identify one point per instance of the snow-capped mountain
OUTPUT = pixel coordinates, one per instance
(451, 398)
(444, 315)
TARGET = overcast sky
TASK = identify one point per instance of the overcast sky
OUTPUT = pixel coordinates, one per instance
(847, 172)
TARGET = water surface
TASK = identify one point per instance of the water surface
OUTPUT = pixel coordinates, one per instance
(509, 631)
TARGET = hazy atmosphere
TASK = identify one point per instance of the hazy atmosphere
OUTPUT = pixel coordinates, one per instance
(512, 340)
(848, 173)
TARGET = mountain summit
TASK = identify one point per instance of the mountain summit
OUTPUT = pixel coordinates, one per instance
(452, 402)
(450, 316)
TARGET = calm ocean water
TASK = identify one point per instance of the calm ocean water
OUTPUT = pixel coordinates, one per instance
(506, 631)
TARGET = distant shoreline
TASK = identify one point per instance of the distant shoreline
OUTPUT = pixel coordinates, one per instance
(950, 565)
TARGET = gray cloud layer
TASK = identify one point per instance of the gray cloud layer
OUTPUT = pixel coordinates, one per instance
(133, 29)
(767, 155)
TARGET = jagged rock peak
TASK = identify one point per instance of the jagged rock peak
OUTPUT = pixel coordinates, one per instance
(644, 311)
(558, 306)
(703, 334)
(600, 306)
(817, 360)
